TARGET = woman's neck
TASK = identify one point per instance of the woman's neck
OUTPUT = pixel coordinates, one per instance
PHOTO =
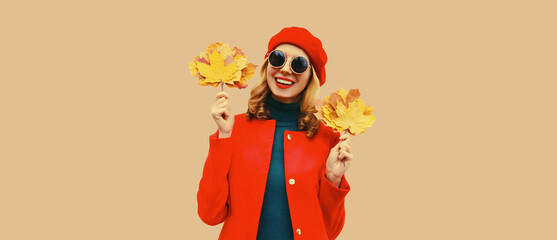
(285, 100)
(285, 112)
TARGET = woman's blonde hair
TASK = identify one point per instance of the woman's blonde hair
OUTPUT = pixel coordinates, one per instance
(257, 103)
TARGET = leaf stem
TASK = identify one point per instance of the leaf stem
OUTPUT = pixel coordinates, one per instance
(222, 90)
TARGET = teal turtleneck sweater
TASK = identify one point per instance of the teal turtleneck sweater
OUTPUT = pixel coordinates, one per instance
(275, 222)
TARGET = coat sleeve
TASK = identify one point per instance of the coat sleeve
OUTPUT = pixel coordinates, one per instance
(331, 199)
(213, 193)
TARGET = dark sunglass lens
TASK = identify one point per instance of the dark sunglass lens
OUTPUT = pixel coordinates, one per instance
(277, 58)
(299, 64)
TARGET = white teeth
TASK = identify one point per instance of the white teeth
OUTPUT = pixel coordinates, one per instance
(284, 81)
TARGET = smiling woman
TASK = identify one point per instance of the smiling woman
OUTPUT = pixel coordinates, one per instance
(281, 83)
(276, 171)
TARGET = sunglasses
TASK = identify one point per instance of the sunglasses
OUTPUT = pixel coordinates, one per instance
(299, 64)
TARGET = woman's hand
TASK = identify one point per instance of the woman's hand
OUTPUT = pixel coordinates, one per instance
(220, 111)
(339, 159)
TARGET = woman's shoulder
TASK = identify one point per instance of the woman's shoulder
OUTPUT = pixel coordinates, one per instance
(244, 126)
(240, 117)
(241, 120)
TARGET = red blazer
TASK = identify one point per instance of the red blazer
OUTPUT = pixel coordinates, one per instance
(234, 177)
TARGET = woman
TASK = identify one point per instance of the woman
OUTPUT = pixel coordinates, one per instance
(276, 172)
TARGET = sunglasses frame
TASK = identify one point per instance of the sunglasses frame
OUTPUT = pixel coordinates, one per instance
(286, 60)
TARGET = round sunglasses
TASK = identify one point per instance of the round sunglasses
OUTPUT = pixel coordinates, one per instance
(299, 64)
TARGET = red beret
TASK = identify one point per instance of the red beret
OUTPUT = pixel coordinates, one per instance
(303, 39)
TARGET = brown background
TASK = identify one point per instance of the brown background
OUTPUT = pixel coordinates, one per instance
(104, 132)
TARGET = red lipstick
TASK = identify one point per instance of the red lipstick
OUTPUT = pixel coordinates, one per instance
(284, 82)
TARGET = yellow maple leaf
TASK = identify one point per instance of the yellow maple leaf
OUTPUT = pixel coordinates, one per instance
(221, 64)
(353, 118)
(216, 71)
(345, 111)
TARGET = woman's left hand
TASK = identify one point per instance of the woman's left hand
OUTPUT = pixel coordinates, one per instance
(339, 160)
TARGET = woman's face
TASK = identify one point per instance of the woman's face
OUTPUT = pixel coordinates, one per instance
(286, 85)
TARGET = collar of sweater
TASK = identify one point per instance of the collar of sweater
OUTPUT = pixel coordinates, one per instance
(284, 112)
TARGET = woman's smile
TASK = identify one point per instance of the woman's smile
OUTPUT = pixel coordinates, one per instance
(283, 82)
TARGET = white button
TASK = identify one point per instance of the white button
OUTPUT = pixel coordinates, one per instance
(299, 231)
(292, 181)
(289, 137)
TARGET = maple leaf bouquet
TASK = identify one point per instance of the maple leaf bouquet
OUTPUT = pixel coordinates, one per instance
(220, 64)
(345, 112)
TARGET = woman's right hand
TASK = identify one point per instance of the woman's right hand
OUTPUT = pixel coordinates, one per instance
(220, 111)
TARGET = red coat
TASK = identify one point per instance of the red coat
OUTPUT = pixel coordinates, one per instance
(235, 174)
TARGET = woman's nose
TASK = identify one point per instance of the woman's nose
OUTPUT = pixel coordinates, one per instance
(286, 68)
